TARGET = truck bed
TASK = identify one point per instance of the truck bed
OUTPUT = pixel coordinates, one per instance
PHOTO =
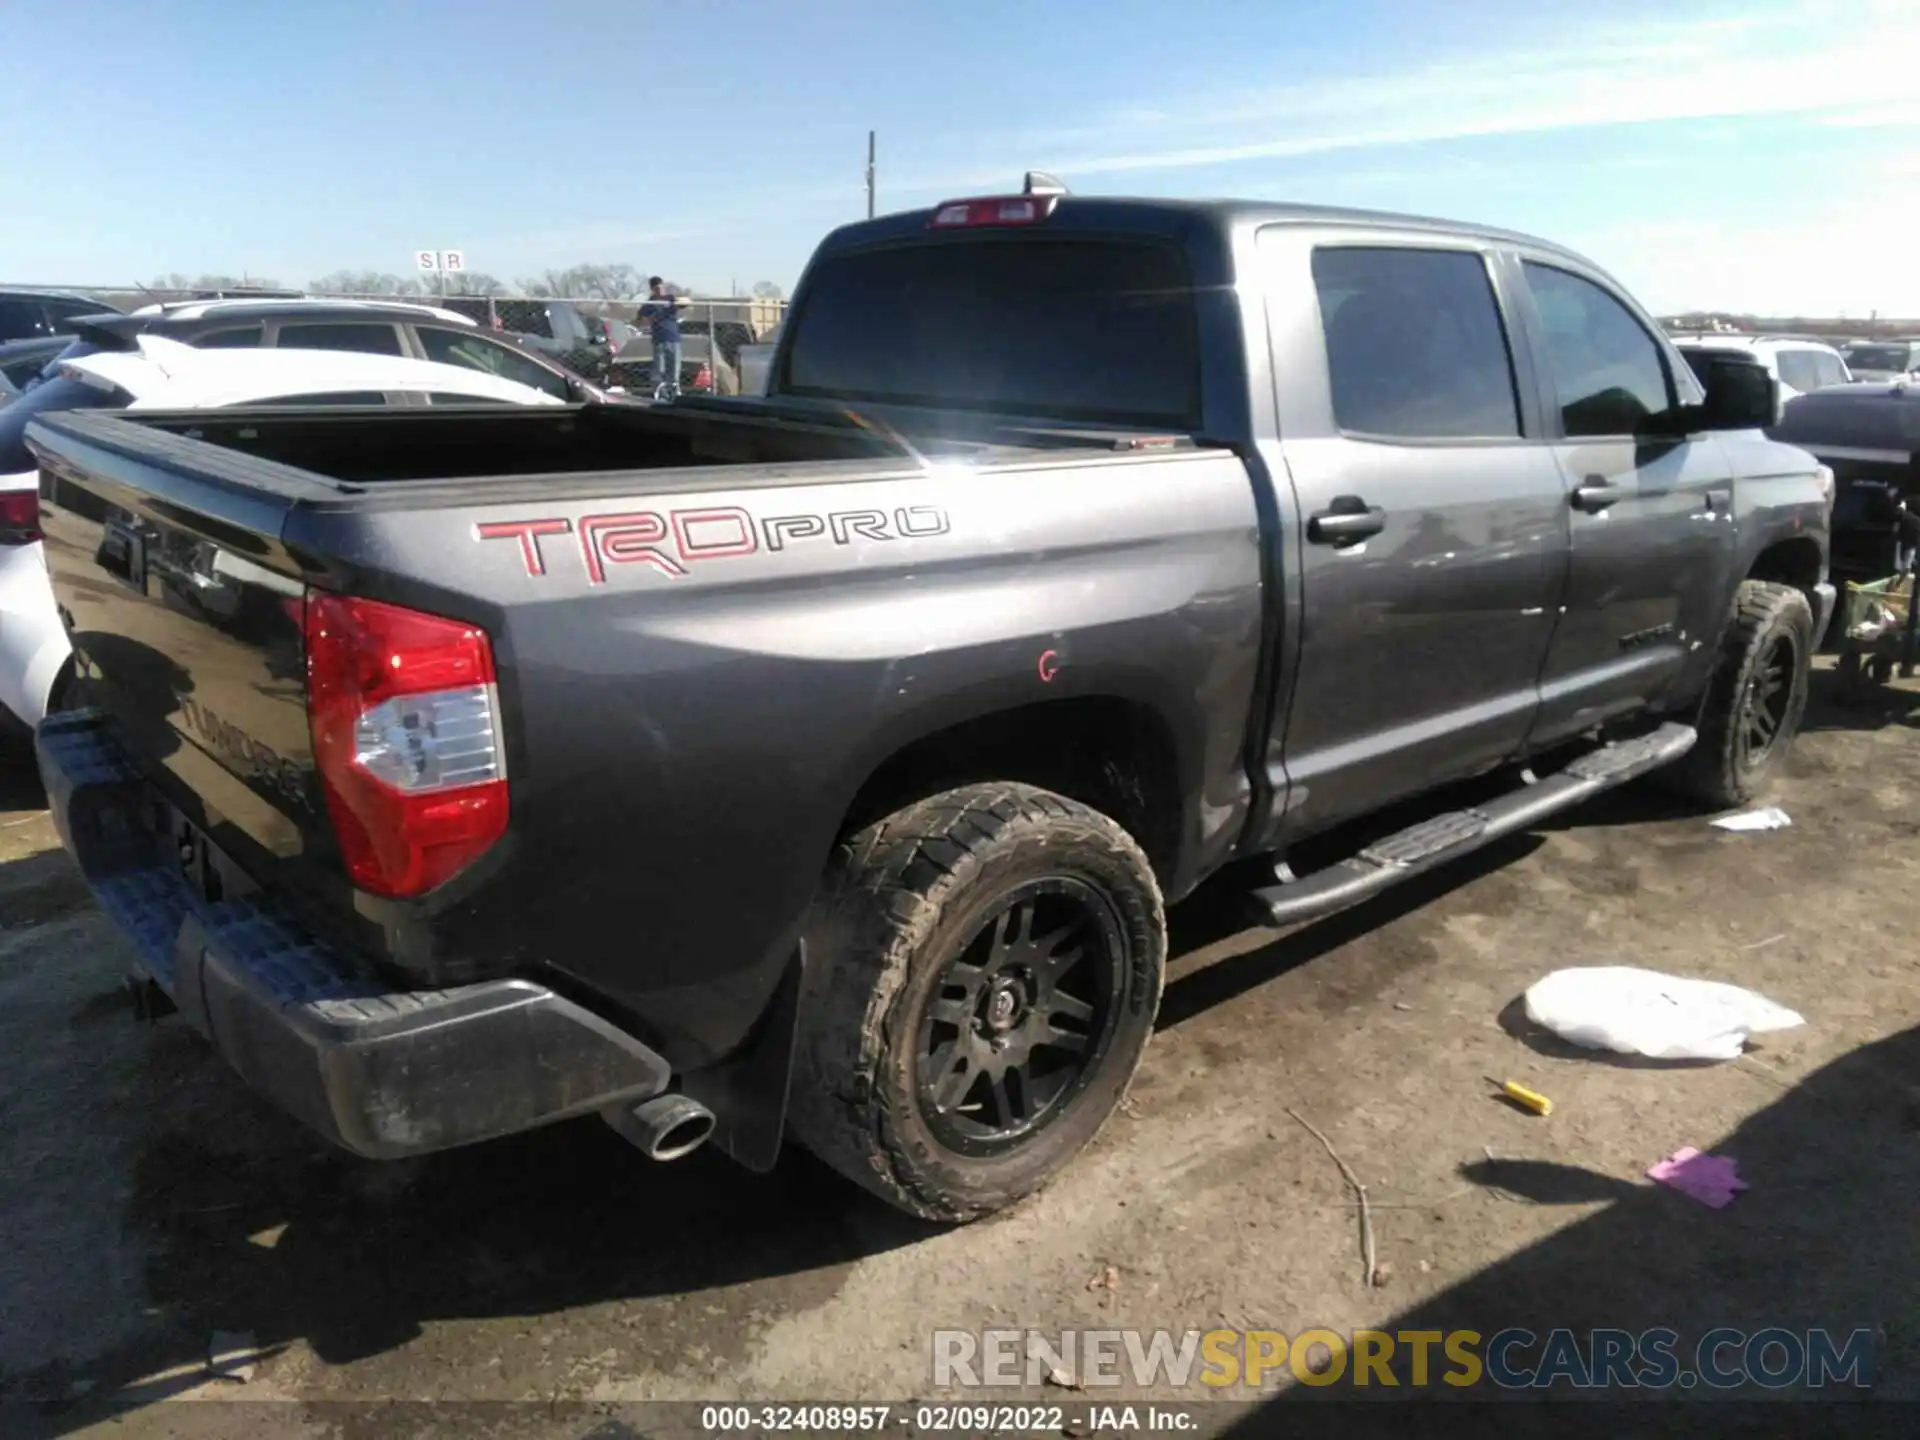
(352, 448)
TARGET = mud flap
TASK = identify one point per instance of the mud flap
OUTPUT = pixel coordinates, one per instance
(748, 1095)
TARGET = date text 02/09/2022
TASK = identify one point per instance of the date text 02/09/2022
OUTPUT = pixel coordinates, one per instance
(962, 1419)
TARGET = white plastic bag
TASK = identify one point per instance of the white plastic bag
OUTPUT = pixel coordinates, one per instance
(1642, 1012)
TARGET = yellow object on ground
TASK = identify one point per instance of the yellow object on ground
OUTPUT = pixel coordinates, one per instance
(1515, 1091)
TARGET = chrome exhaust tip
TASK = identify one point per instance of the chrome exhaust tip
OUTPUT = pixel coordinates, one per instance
(667, 1127)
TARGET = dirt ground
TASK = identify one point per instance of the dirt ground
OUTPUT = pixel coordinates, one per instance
(147, 1200)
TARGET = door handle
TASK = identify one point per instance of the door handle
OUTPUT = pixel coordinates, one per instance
(1347, 520)
(1595, 494)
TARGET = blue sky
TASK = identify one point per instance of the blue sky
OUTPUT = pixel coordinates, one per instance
(1757, 156)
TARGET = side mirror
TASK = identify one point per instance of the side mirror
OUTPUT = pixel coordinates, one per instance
(1741, 395)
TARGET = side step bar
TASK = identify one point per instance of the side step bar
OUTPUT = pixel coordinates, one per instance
(1418, 848)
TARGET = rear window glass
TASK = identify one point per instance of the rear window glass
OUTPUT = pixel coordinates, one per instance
(245, 337)
(1878, 357)
(63, 392)
(329, 397)
(362, 339)
(1073, 330)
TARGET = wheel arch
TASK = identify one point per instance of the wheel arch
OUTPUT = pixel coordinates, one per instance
(1116, 754)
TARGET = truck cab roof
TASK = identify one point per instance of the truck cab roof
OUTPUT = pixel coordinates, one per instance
(1137, 213)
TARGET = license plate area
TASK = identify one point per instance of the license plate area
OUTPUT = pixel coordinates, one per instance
(209, 875)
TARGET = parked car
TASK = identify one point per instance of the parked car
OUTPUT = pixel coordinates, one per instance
(22, 361)
(558, 329)
(33, 314)
(621, 760)
(1869, 434)
(162, 374)
(701, 371)
(393, 328)
(1800, 365)
(1883, 360)
(756, 363)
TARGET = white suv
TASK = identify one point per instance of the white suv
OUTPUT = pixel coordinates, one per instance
(1799, 366)
(163, 374)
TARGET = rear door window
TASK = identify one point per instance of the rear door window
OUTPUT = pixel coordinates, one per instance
(22, 320)
(1415, 344)
(328, 397)
(1798, 369)
(361, 338)
(242, 337)
(1080, 329)
(454, 347)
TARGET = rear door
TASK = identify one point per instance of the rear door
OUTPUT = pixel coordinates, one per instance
(1651, 519)
(1432, 542)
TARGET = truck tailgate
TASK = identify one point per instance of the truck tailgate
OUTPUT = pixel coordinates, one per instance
(185, 613)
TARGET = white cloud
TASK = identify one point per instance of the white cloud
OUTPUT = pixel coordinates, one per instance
(1852, 260)
(1837, 64)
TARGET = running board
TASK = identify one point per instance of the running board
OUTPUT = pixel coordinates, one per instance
(1400, 856)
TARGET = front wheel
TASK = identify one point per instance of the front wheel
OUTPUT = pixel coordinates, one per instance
(986, 970)
(1755, 699)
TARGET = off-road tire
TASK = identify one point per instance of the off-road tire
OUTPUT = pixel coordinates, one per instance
(1719, 769)
(900, 899)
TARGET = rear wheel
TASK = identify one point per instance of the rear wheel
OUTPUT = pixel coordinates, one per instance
(986, 970)
(1756, 697)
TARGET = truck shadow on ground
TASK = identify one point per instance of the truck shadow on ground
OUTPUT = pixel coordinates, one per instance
(1823, 1239)
(247, 1224)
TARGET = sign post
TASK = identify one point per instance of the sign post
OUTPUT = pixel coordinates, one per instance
(441, 263)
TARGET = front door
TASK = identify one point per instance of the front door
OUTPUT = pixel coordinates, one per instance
(1431, 544)
(1651, 520)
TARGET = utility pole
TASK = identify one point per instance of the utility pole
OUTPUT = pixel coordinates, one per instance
(870, 152)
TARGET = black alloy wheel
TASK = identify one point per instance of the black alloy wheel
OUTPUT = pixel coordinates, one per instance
(1022, 1014)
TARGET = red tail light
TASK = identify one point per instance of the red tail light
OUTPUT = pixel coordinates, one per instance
(19, 517)
(406, 736)
(993, 210)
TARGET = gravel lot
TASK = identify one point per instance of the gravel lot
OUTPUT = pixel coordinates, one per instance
(147, 1200)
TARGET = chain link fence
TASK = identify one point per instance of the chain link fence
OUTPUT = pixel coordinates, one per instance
(597, 336)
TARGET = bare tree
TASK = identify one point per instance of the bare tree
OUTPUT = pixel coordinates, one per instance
(474, 282)
(767, 290)
(365, 282)
(177, 281)
(587, 282)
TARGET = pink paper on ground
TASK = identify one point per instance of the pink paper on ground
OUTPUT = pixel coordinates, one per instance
(1710, 1179)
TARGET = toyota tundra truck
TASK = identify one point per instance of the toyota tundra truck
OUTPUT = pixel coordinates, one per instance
(819, 766)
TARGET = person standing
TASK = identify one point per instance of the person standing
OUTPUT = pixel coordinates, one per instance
(661, 314)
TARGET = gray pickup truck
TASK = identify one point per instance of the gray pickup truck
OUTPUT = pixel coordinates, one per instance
(819, 767)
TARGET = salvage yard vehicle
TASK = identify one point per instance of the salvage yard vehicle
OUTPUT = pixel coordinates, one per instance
(1799, 365)
(1884, 360)
(821, 765)
(158, 373)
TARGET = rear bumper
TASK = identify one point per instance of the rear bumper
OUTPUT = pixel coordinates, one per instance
(382, 1072)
